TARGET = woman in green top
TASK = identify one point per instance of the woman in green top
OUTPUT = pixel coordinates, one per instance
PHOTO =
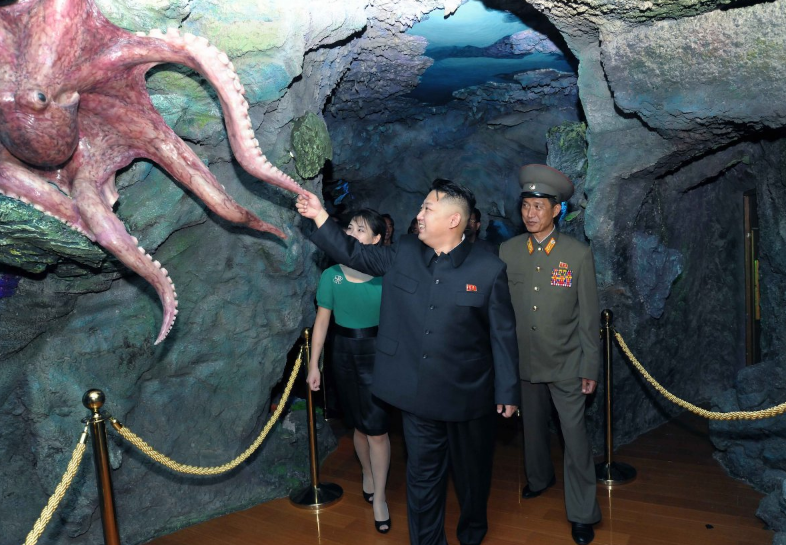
(354, 298)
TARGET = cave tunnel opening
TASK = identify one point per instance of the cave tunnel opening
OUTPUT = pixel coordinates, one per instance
(667, 234)
(469, 96)
(752, 279)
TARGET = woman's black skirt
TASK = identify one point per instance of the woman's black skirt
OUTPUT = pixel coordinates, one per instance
(353, 365)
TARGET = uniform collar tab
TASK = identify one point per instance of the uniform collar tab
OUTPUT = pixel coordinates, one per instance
(548, 243)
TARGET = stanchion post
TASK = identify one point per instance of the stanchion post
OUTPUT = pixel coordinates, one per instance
(94, 400)
(316, 495)
(610, 472)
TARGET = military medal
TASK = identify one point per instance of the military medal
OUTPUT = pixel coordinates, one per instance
(562, 276)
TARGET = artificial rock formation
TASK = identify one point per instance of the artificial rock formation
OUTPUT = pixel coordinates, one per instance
(683, 112)
(676, 109)
(73, 318)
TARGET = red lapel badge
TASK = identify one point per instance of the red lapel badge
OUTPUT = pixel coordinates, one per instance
(472, 287)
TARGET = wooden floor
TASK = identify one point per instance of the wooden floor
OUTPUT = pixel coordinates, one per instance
(681, 496)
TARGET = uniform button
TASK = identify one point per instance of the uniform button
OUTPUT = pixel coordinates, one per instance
(428, 332)
(436, 281)
(534, 328)
(425, 356)
(537, 288)
(537, 269)
(534, 307)
(431, 307)
(540, 249)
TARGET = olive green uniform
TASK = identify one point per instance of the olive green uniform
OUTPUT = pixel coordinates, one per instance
(555, 299)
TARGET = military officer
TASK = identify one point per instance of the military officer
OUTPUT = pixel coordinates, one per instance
(554, 293)
(446, 354)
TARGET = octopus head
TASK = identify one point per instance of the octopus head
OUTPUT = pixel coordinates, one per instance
(39, 128)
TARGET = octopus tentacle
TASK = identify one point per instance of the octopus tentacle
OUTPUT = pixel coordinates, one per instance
(215, 66)
(23, 184)
(154, 140)
(112, 235)
(192, 173)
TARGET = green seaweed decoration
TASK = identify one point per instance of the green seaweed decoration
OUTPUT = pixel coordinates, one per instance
(311, 145)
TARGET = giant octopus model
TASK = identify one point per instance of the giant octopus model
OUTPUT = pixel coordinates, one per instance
(74, 109)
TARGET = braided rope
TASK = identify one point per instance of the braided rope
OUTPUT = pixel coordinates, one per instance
(54, 499)
(156, 456)
(733, 415)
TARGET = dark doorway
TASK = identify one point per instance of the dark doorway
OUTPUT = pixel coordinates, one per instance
(752, 297)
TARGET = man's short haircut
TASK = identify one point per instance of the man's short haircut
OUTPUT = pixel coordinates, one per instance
(477, 214)
(456, 192)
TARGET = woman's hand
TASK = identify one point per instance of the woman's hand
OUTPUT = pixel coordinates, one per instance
(314, 379)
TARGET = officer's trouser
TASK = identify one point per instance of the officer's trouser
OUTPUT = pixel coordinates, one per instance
(581, 503)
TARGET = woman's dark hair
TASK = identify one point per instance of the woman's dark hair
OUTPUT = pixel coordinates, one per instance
(373, 221)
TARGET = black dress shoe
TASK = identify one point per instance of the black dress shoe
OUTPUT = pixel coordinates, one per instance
(528, 493)
(582, 533)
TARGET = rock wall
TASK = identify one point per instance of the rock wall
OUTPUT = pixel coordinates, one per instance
(682, 113)
(73, 318)
(479, 139)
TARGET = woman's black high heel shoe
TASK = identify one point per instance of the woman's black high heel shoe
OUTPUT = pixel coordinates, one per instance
(368, 496)
(378, 524)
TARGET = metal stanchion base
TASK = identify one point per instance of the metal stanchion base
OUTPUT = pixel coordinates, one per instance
(316, 497)
(614, 473)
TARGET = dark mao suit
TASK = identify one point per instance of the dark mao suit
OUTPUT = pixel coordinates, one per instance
(446, 355)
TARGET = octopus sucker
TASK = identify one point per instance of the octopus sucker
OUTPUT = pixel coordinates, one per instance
(98, 72)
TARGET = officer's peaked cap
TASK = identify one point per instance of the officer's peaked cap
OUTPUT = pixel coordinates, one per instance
(544, 181)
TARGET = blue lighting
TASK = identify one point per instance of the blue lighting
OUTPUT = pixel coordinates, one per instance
(8, 284)
(457, 43)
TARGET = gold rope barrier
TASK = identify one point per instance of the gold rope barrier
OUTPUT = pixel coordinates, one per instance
(734, 415)
(54, 499)
(139, 443)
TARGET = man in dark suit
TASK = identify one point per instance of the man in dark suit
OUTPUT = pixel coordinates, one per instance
(555, 296)
(446, 354)
(473, 232)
